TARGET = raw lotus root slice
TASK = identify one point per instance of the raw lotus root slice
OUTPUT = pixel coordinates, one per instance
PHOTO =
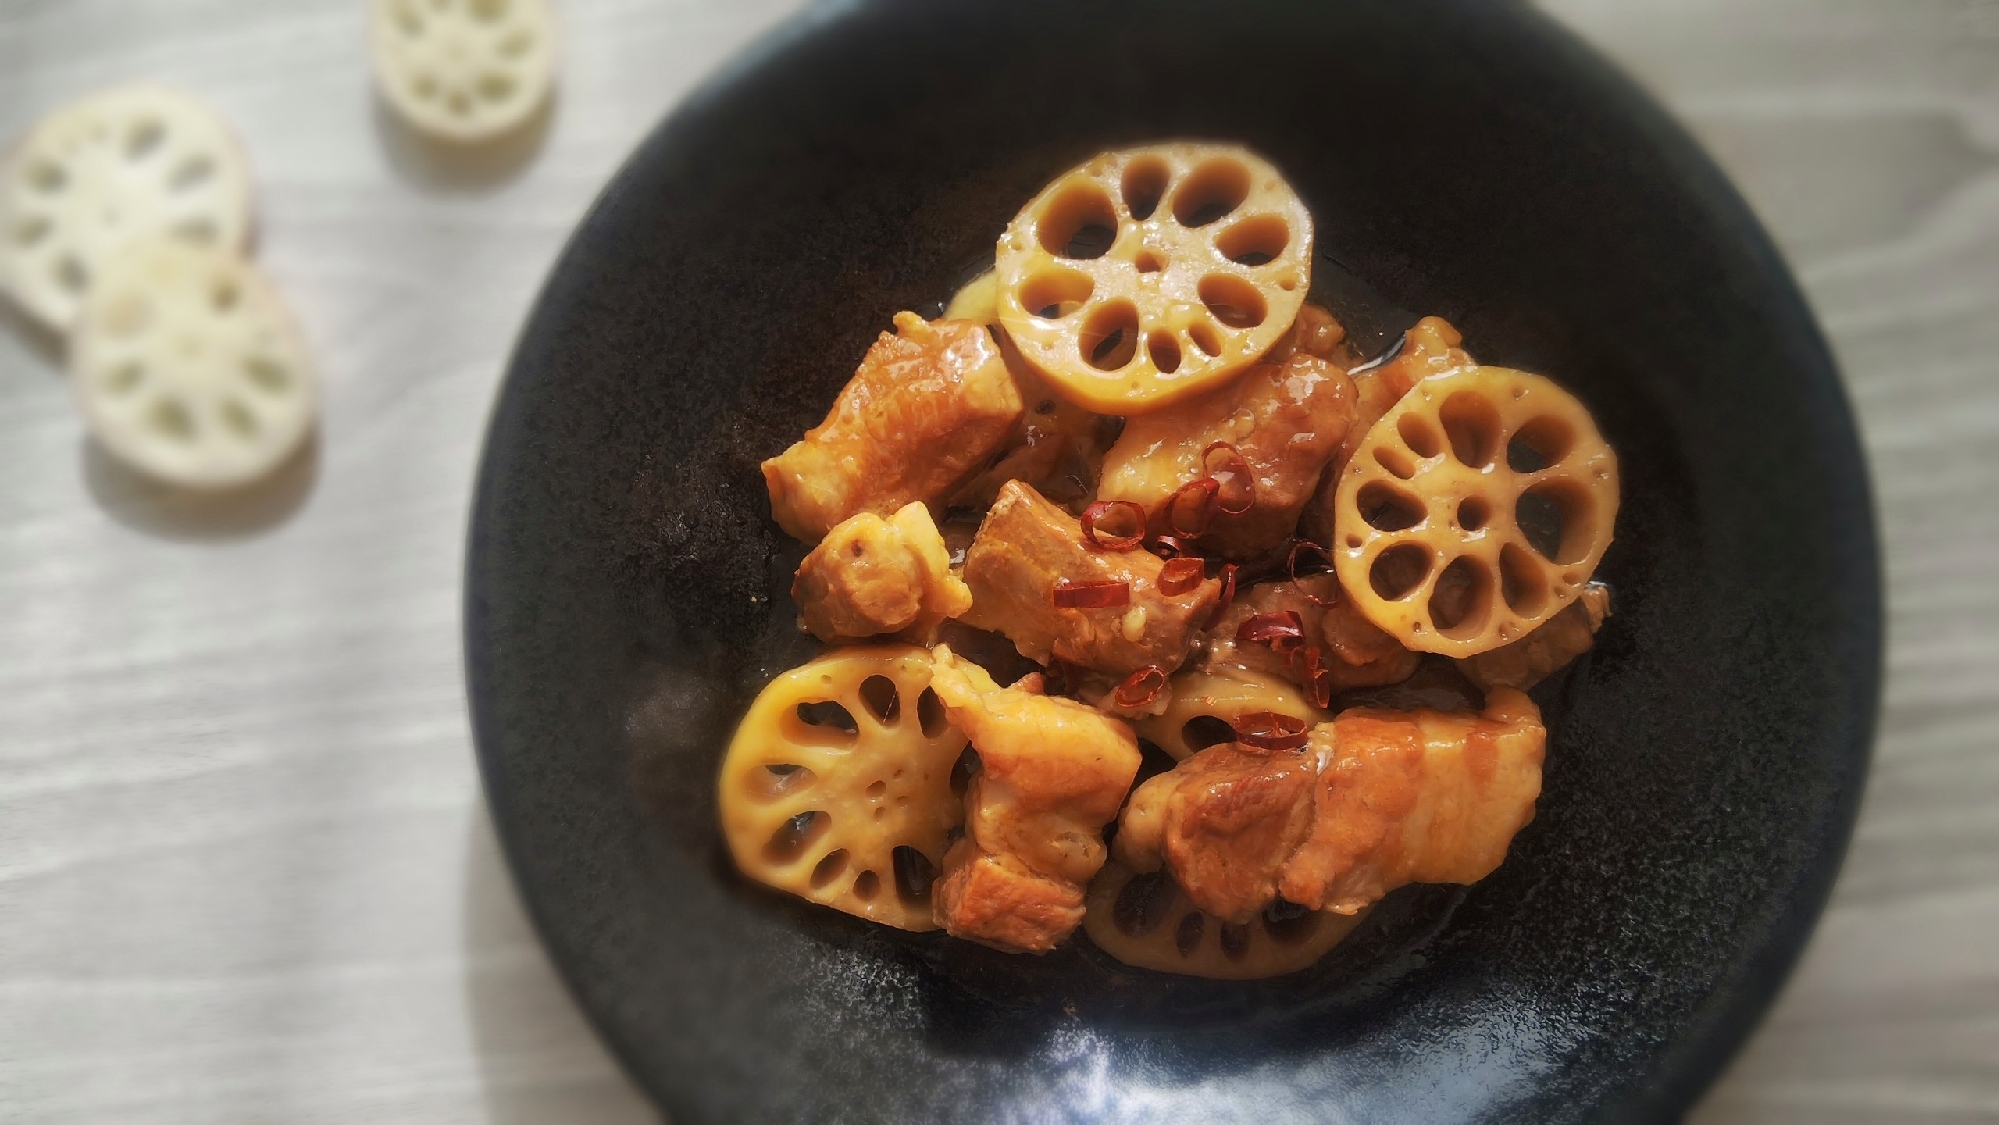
(93, 177)
(1474, 510)
(189, 368)
(838, 786)
(1146, 275)
(1206, 705)
(463, 70)
(1145, 920)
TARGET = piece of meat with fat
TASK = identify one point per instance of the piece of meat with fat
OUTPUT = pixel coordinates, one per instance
(1027, 545)
(1287, 420)
(928, 406)
(1394, 798)
(1549, 648)
(1057, 446)
(1357, 653)
(871, 576)
(1052, 774)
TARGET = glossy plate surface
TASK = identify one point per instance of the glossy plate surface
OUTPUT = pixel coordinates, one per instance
(626, 589)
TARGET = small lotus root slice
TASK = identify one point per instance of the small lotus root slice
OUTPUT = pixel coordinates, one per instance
(838, 786)
(189, 368)
(94, 176)
(1151, 273)
(1206, 705)
(1474, 510)
(1145, 920)
(463, 70)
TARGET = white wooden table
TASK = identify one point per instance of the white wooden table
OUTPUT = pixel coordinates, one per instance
(244, 870)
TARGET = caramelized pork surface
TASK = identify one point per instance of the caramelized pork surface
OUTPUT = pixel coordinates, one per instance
(1027, 545)
(1547, 649)
(928, 407)
(1393, 798)
(1052, 773)
(1286, 419)
(1356, 653)
(1056, 446)
(871, 576)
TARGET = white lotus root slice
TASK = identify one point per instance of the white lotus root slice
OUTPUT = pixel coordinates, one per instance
(463, 70)
(1151, 273)
(839, 788)
(189, 368)
(1474, 510)
(93, 177)
(1145, 920)
(1206, 705)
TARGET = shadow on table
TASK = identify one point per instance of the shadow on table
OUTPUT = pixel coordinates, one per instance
(538, 1061)
(442, 166)
(168, 512)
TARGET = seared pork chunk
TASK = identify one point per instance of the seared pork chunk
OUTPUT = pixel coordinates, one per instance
(871, 576)
(1026, 546)
(1286, 419)
(1393, 798)
(927, 408)
(1547, 649)
(1052, 773)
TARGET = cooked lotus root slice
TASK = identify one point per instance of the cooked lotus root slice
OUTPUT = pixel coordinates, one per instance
(94, 176)
(1474, 510)
(463, 70)
(189, 368)
(838, 784)
(1149, 274)
(1145, 920)
(1206, 705)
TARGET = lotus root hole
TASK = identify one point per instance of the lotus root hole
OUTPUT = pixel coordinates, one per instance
(1386, 507)
(914, 873)
(1287, 923)
(1234, 941)
(1110, 336)
(489, 10)
(1211, 193)
(144, 139)
(239, 419)
(1522, 583)
(795, 836)
(1556, 519)
(267, 375)
(1421, 437)
(829, 868)
(1143, 903)
(1254, 241)
(879, 696)
(1187, 937)
(1164, 352)
(867, 885)
(1203, 731)
(1203, 337)
(1471, 423)
(930, 714)
(124, 378)
(828, 714)
(1461, 603)
(878, 789)
(1395, 461)
(768, 783)
(1147, 262)
(49, 178)
(1055, 293)
(1398, 571)
(71, 274)
(172, 418)
(31, 231)
(1144, 185)
(1232, 300)
(1078, 223)
(496, 87)
(964, 769)
(1473, 513)
(192, 173)
(1542, 442)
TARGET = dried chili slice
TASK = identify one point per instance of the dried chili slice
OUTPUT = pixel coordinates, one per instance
(1140, 688)
(1106, 594)
(1181, 575)
(1281, 632)
(1095, 514)
(1236, 494)
(1268, 730)
(1190, 509)
(1228, 596)
(1291, 569)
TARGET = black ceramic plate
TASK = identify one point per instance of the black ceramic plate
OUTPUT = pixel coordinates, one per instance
(626, 587)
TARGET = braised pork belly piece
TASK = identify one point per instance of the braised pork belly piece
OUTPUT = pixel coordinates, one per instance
(1547, 649)
(871, 576)
(1027, 547)
(1052, 774)
(1285, 420)
(927, 409)
(1388, 798)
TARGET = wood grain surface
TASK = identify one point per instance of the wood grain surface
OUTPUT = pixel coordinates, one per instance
(245, 875)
